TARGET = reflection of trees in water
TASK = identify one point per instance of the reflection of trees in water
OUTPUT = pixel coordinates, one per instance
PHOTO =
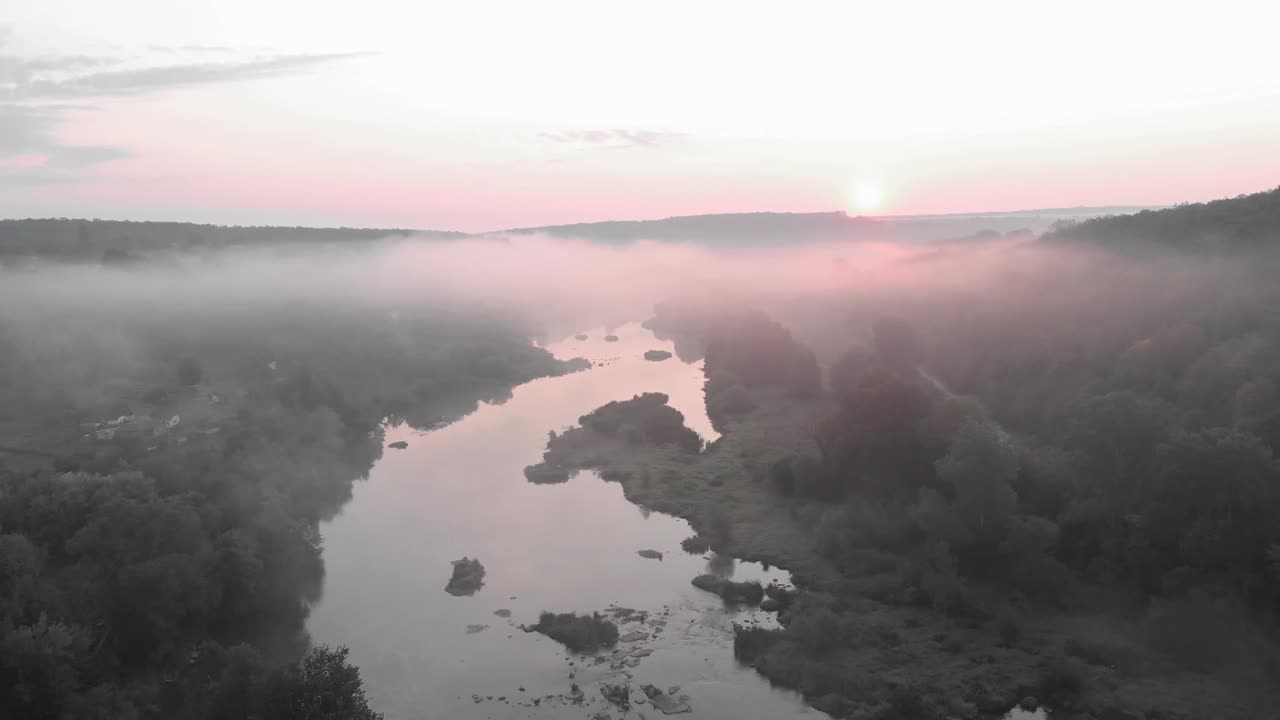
(644, 511)
(720, 565)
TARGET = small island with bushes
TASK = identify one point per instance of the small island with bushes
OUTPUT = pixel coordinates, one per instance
(580, 633)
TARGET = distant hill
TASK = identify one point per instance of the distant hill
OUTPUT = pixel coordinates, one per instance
(771, 229)
(728, 229)
(120, 241)
(1245, 222)
(74, 240)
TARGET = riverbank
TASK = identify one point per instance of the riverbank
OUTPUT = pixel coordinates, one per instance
(862, 642)
(163, 510)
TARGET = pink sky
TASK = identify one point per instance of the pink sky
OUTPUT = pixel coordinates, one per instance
(571, 112)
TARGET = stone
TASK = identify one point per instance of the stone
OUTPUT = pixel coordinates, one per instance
(650, 554)
(473, 629)
(398, 445)
(634, 636)
(503, 613)
(671, 705)
(619, 694)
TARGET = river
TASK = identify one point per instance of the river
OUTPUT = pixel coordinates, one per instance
(460, 491)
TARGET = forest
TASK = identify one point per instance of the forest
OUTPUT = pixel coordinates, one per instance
(171, 444)
(1006, 470)
(1048, 478)
(118, 242)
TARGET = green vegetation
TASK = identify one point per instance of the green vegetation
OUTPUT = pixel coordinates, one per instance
(159, 544)
(1093, 524)
(467, 577)
(580, 633)
(747, 593)
(643, 420)
(118, 241)
(1243, 223)
(695, 545)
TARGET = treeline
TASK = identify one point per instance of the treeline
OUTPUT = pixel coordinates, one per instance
(1243, 223)
(120, 241)
(162, 564)
(1038, 439)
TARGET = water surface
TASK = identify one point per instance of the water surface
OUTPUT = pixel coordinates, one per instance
(460, 491)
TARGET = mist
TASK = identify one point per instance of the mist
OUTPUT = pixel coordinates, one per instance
(1002, 436)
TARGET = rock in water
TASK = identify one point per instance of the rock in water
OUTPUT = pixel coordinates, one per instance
(656, 355)
(669, 704)
(650, 554)
(580, 336)
(503, 613)
(634, 636)
(618, 694)
(468, 577)
(398, 445)
(611, 338)
(473, 629)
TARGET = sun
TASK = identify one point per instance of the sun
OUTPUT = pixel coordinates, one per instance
(867, 197)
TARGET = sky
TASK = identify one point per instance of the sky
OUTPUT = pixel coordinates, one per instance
(482, 115)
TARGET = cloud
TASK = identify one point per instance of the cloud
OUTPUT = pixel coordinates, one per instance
(134, 81)
(614, 138)
(31, 153)
(38, 94)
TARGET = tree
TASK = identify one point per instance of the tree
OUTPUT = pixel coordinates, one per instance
(324, 686)
(897, 342)
(1219, 500)
(37, 671)
(874, 441)
(980, 469)
(1117, 435)
(847, 372)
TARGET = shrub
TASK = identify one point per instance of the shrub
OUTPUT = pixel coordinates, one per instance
(814, 627)
(1064, 679)
(579, 633)
(695, 545)
(750, 592)
(750, 643)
